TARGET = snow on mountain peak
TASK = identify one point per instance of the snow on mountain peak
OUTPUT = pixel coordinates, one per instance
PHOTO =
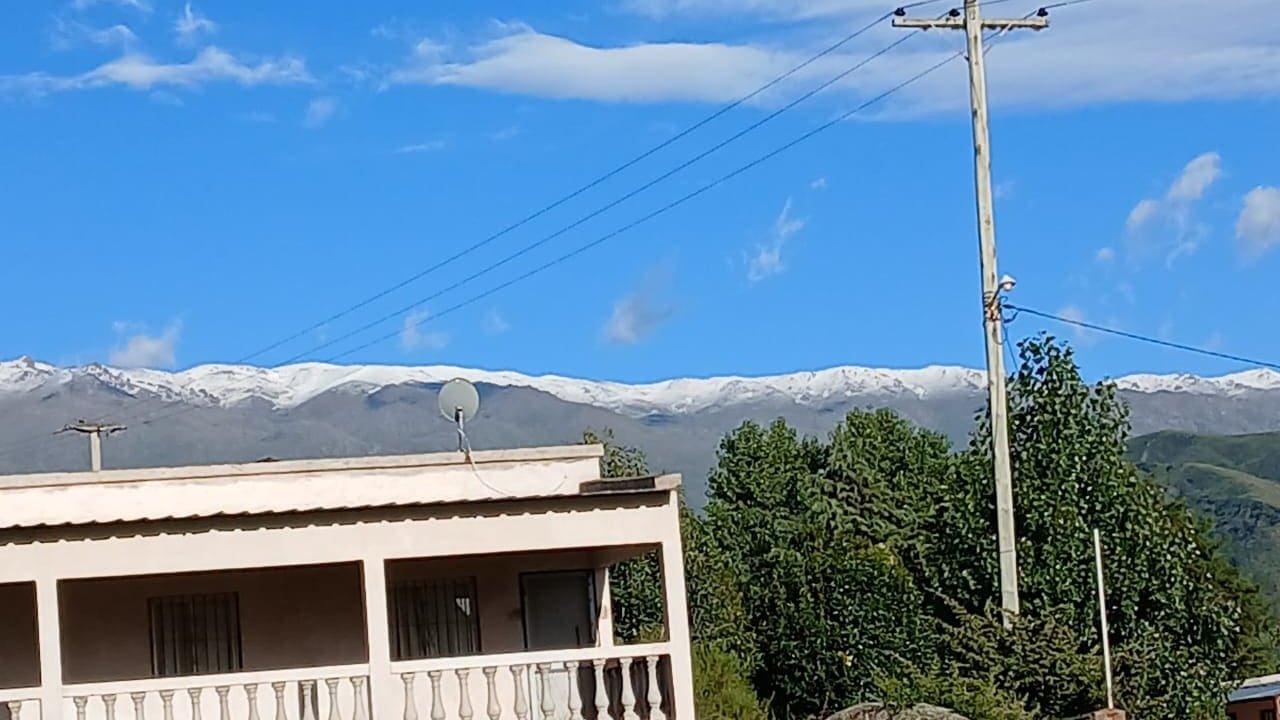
(291, 385)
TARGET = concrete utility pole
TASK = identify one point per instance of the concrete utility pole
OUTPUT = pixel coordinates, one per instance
(95, 431)
(973, 25)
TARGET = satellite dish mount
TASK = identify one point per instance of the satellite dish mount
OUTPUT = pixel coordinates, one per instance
(459, 402)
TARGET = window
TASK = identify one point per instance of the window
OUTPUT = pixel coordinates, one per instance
(434, 618)
(195, 634)
(559, 609)
(1267, 715)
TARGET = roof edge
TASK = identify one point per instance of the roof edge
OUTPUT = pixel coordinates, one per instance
(310, 465)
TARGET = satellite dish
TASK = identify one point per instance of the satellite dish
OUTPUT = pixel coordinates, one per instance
(459, 400)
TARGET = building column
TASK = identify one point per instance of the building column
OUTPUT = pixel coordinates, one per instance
(677, 602)
(604, 618)
(384, 689)
(50, 639)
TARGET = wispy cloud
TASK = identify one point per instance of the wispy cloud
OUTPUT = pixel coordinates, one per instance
(767, 261)
(256, 116)
(1105, 255)
(495, 323)
(1258, 227)
(1167, 223)
(190, 25)
(1185, 53)
(506, 133)
(1083, 336)
(818, 184)
(69, 33)
(424, 147)
(320, 111)
(137, 71)
(413, 336)
(639, 313)
(140, 349)
(139, 5)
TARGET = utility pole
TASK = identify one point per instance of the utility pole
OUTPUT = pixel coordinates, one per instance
(973, 25)
(95, 431)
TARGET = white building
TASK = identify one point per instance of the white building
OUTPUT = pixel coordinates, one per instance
(405, 587)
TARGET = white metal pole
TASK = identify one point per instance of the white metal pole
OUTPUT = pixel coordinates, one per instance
(95, 450)
(1102, 615)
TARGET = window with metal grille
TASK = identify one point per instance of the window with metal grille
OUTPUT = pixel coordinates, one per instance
(195, 634)
(434, 618)
(1268, 715)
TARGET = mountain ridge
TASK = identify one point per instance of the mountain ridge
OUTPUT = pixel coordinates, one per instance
(289, 386)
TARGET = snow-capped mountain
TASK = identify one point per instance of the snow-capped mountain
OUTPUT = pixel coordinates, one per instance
(289, 386)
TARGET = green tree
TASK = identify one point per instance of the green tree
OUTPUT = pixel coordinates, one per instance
(1183, 622)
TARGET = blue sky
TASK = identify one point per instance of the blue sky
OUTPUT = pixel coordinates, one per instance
(189, 183)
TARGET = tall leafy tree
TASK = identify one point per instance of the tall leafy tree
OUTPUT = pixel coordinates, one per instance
(1183, 622)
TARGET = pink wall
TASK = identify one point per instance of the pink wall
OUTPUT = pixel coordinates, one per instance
(289, 617)
(497, 587)
(19, 648)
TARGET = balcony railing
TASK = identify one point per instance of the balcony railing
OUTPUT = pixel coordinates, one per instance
(326, 693)
(20, 703)
(631, 682)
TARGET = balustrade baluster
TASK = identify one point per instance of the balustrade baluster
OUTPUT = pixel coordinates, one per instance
(251, 695)
(194, 694)
(308, 689)
(522, 701)
(361, 711)
(278, 689)
(139, 705)
(334, 713)
(655, 692)
(81, 703)
(437, 701)
(166, 697)
(575, 697)
(602, 692)
(493, 708)
(410, 705)
(15, 709)
(224, 705)
(628, 692)
(548, 703)
(109, 705)
(464, 693)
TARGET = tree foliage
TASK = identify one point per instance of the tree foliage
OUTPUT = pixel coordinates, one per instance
(863, 567)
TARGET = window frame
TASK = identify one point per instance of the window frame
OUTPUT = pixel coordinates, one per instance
(195, 634)
(454, 636)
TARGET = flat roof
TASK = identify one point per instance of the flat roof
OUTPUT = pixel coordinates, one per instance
(292, 486)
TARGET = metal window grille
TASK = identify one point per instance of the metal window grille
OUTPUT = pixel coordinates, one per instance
(434, 618)
(195, 634)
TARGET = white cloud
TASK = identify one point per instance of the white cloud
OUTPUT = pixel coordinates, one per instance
(637, 315)
(495, 323)
(1178, 234)
(1105, 255)
(139, 5)
(1258, 227)
(1003, 190)
(1185, 52)
(160, 97)
(413, 337)
(507, 133)
(190, 25)
(256, 116)
(137, 71)
(1083, 336)
(767, 260)
(142, 350)
(1215, 342)
(319, 111)
(68, 34)
(818, 184)
(429, 146)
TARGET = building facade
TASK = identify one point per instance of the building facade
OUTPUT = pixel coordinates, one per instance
(1255, 699)
(429, 586)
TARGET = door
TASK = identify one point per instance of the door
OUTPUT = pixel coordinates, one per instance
(559, 609)
(559, 613)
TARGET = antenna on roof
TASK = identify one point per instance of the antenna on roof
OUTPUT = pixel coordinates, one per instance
(459, 402)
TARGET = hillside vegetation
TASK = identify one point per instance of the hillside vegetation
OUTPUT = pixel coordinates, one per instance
(1233, 480)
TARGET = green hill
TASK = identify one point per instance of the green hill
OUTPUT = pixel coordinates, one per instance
(1235, 481)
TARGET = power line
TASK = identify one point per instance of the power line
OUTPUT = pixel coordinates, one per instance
(634, 223)
(584, 188)
(608, 206)
(1142, 338)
